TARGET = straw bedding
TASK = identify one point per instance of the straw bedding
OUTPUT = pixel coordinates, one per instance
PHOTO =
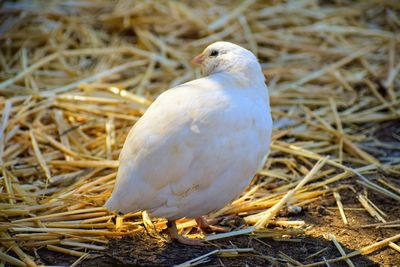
(76, 75)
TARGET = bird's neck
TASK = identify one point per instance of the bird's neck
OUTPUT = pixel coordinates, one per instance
(242, 78)
(255, 84)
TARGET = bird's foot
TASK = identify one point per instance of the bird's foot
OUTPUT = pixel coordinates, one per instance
(173, 233)
(210, 224)
(188, 241)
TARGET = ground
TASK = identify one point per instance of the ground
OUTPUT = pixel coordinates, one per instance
(313, 54)
(322, 218)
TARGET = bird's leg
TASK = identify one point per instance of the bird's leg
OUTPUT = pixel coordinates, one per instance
(173, 233)
(210, 224)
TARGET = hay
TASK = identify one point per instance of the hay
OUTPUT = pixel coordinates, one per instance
(75, 76)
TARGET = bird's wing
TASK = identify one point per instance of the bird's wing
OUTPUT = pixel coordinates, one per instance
(181, 142)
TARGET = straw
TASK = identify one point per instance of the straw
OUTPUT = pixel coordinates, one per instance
(365, 250)
(342, 252)
(266, 216)
(223, 252)
(73, 83)
(340, 206)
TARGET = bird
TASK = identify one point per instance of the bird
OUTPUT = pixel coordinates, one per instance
(199, 144)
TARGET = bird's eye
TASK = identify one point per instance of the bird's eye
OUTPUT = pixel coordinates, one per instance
(214, 53)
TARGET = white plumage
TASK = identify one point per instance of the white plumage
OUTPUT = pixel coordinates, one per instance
(200, 143)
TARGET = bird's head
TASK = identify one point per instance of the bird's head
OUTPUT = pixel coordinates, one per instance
(227, 57)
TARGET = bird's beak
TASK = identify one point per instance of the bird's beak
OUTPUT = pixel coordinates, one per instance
(197, 60)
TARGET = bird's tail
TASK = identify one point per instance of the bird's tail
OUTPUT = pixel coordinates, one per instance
(111, 204)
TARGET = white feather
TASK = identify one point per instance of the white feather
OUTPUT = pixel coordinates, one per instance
(199, 144)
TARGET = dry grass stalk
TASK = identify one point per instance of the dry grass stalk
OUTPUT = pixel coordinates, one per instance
(222, 252)
(40, 158)
(380, 190)
(317, 253)
(80, 259)
(289, 259)
(394, 246)
(269, 214)
(371, 209)
(245, 231)
(365, 250)
(340, 206)
(9, 259)
(390, 185)
(4, 122)
(66, 251)
(380, 224)
(17, 250)
(82, 245)
(342, 252)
